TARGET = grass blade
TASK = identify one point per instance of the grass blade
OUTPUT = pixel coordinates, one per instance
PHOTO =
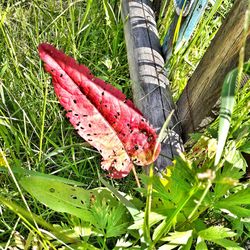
(28, 219)
(22, 172)
(227, 104)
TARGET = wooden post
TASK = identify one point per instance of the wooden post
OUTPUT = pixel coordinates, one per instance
(203, 90)
(150, 88)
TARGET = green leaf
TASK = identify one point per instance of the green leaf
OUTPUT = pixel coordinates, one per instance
(189, 244)
(234, 202)
(245, 148)
(126, 201)
(165, 226)
(247, 224)
(238, 211)
(226, 179)
(176, 196)
(239, 198)
(22, 172)
(216, 232)
(201, 244)
(167, 247)
(110, 221)
(66, 198)
(179, 238)
(227, 104)
(237, 225)
(199, 224)
(180, 182)
(234, 156)
(228, 244)
(153, 219)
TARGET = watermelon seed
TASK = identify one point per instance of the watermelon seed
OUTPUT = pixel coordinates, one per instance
(82, 202)
(102, 93)
(143, 132)
(81, 127)
(70, 110)
(52, 70)
(74, 101)
(61, 75)
(150, 138)
(100, 151)
(105, 105)
(90, 125)
(115, 116)
(73, 197)
(90, 140)
(76, 114)
(78, 123)
(85, 115)
(136, 147)
(88, 134)
(118, 113)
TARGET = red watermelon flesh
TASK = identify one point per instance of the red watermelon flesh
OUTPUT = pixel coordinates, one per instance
(101, 114)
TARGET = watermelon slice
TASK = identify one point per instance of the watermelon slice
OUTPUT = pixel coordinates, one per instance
(101, 114)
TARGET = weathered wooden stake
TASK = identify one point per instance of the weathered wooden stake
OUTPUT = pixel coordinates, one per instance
(196, 104)
(151, 92)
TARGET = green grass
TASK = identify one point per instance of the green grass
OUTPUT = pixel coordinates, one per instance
(183, 63)
(34, 135)
(36, 123)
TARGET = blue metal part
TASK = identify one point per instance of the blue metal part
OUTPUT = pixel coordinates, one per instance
(183, 5)
(190, 23)
(197, 8)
